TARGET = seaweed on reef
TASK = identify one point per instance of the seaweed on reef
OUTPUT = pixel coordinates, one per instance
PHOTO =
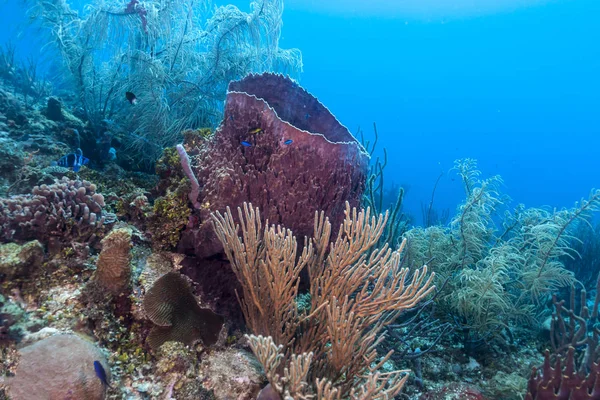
(177, 57)
(500, 271)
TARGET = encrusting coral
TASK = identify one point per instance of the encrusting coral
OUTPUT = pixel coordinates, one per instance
(356, 290)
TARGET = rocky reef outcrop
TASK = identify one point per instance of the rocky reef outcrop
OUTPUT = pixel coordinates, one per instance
(282, 150)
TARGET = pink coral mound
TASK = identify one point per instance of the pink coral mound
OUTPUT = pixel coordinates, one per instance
(279, 148)
(59, 367)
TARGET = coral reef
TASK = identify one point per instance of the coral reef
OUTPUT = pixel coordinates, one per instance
(187, 169)
(170, 216)
(113, 271)
(59, 367)
(300, 159)
(498, 272)
(107, 53)
(563, 380)
(172, 307)
(353, 297)
(231, 373)
(64, 211)
(20, 260)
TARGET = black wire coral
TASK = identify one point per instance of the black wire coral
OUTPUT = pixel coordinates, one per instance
(172, 307)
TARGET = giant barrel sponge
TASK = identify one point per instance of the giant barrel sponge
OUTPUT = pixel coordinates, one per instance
(282, 150)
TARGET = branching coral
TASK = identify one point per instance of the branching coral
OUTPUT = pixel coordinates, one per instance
(177, 57)
(356, 290)
(65, 210)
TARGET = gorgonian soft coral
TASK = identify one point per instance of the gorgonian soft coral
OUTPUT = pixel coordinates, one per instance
(498, 270)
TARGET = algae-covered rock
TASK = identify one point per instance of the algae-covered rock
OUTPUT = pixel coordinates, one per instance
(59, 367)
(19, 260)
(507, 386)
(15, 322)
(171, 214)
(232, 373)
(175, 358)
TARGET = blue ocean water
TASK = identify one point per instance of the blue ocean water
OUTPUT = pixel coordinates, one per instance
(514, 84)
(516, 88)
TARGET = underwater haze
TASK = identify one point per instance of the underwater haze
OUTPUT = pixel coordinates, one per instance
(299, 199)
(514, 84)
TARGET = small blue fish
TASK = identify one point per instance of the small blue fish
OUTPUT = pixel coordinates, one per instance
(289, 141)
(74, 160)
(101, 373)
(246, 144)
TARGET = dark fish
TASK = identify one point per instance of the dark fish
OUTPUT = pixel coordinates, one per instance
(255, 130)
(74, 160)
(289, 141)
(246, 144)
(101, 373)
(131, 98)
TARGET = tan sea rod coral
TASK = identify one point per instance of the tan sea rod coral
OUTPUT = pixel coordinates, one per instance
(327, 351)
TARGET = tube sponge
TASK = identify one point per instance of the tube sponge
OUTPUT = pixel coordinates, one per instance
(187, 169)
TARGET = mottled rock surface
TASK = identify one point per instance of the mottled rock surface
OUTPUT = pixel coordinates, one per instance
(232, 374)
(19, 260)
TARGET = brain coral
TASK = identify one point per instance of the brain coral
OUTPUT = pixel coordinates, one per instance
(281, 149)
(58, 367)
(112, 268)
